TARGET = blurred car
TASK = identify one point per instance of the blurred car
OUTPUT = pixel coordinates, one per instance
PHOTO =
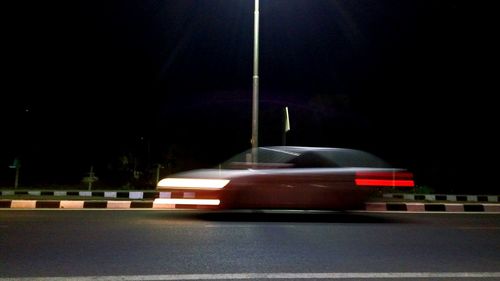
(284, 177)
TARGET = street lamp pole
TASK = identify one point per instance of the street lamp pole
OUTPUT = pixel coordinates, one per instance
(255, 100)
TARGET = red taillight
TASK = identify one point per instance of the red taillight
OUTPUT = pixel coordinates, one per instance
(383, 179)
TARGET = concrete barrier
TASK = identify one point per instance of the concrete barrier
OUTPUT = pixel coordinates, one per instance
(454, 207)
(151, 204)
(415, 207)
(444, 197)
(493, 208)
(119, 204)
(23, 204)
(71, 204)
(151, 194)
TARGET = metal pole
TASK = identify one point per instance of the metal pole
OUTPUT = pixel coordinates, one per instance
(16, 181)
(158, 173)
(16, 165)
(255, 100)
(91, 177)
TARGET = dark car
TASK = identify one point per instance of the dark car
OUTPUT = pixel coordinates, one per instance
(283, 177)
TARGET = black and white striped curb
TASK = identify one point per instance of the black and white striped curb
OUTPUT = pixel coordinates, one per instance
(79, 193)
(92, 204)
(152, 204)
(444, 197)
(432, 207)
(151, 194)
(74, 204)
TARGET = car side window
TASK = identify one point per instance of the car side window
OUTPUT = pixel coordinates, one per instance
(311, 160)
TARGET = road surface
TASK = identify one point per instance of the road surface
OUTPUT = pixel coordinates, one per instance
(167, 245)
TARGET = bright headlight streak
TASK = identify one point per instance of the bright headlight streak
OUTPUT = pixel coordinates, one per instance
(212, 202)
(193, 183)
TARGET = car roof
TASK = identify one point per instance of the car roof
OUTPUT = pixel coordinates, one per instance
(303, 149)
(320, 156)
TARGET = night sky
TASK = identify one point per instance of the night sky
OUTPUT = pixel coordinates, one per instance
(170, 82)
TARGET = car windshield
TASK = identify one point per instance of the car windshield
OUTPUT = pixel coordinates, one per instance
(303, 157)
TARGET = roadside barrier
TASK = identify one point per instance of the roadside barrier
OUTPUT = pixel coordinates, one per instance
(81, 193)
(151, 194)
(147, 199)
(93, 204)
(443, 197)
(432, 207)
(157, 204)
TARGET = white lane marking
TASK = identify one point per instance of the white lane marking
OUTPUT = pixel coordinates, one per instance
(260, 276)
(244, 225)
(222, 226)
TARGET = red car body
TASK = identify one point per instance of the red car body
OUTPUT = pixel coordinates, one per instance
(285, 178)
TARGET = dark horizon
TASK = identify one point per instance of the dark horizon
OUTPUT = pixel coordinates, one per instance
(90, 82)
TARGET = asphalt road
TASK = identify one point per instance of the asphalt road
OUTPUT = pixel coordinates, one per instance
(166, 245)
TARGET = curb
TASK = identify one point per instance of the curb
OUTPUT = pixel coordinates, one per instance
(152, 194)
(432, 207)
(103, 194)
(444, 197)
(91, 204)
(151, 204)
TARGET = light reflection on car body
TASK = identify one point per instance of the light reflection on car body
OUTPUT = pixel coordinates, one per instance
(285, 178)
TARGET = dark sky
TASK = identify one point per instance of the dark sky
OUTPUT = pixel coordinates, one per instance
(85, 82)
